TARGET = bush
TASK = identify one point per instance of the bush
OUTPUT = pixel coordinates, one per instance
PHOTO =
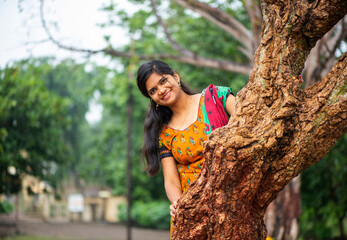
(6, 207)
(155, 214)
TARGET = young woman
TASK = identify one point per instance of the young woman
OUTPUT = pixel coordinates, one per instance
(178, 121)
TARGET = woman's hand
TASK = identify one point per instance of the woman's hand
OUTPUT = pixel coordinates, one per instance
(173, 207)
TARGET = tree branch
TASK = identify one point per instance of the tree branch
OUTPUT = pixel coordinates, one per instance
(223, 20)
(173, 43)
(53, 40)
(334, 42)
(322, 59)
(194, 60)
(320, 113)
(325, 113)
(254, 12)
(319, 18)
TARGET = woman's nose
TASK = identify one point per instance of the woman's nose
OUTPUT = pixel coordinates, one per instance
(161, 89)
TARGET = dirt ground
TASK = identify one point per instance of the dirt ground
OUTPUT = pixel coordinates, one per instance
(85, 231)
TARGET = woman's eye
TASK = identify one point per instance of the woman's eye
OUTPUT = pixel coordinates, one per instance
(163, 80)
(152, 91)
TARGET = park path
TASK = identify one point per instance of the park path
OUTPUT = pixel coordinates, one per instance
(85, 231)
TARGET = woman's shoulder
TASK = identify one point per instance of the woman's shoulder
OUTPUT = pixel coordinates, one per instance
(217, 91)
(166, 132)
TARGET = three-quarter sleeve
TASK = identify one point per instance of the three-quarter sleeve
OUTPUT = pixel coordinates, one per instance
(163, 151)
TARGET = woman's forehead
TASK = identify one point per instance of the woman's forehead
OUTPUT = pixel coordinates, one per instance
(153, 79)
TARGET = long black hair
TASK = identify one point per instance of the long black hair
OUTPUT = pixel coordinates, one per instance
(156, 116)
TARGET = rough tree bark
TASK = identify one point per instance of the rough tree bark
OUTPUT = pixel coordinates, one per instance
(278, 129)
(282, 216)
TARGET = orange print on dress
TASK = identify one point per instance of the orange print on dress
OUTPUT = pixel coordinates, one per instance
(195, 129)
(189, 152)
(199, 119)
(182, 138)
(191, 140)
(179, 151)
(201, 141)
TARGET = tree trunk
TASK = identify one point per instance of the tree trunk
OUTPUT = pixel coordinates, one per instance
(130, 110)
(278, 129)
(282, 215)
(281, 221)
(342, 234)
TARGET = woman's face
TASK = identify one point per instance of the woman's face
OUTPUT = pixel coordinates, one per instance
(163, 89)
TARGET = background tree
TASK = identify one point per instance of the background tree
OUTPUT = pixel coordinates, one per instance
(324, 211)
(78, 82)
(31, 125)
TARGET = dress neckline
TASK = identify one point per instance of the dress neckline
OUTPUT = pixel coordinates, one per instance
(197, 118)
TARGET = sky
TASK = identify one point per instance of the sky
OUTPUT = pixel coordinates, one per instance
(22, 35)
(21, 32)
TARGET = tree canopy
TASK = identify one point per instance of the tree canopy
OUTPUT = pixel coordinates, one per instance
(32, 121)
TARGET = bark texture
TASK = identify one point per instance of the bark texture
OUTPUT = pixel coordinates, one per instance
(278, 129)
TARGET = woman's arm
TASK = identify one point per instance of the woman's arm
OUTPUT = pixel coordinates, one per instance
(171, 181)
(230, 105)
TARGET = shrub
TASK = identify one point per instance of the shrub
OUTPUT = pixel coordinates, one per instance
(155, 214)
(6, 207)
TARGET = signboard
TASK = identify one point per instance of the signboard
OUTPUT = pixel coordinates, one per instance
(75, 202)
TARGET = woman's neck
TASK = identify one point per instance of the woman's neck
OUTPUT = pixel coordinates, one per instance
(182, 105)
(185, 112)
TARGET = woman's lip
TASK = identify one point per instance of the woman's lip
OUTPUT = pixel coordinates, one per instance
(167, 95)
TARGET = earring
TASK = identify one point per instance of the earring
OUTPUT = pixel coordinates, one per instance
(179, 83)
(156, 107)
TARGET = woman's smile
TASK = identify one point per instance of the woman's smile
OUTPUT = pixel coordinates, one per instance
(167, 95)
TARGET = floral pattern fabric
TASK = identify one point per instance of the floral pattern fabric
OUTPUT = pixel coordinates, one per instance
(186, 146)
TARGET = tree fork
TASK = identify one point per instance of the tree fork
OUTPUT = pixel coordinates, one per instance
(278, 129)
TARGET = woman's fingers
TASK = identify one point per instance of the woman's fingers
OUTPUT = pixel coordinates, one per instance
(173, 207)
(172, 210)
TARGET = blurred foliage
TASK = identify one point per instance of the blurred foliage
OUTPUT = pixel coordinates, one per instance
(78, 82)
(6, 207)
(190, 30)
(31, 127)
(152, 214)
(324, 195)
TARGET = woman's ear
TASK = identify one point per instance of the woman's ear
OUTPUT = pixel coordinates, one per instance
(177, 78)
